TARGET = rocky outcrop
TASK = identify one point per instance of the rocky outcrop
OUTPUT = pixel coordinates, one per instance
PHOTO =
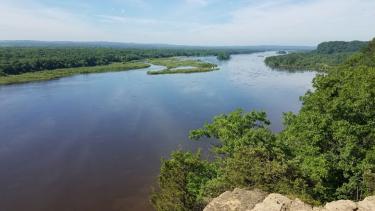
(236, 200)
(256, 200)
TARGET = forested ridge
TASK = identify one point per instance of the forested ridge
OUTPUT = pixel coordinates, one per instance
(325, 152)
(17, 60)
(326, 55)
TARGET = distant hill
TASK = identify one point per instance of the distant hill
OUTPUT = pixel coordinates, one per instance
(365, 58)
(327, 54)
(102, 44)
(340, 47)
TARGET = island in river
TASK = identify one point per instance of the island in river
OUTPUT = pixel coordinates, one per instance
(172, 65)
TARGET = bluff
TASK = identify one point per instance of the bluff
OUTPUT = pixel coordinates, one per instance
(256, 200)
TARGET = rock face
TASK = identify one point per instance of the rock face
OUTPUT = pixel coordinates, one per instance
(236, 200)
(273, 202)
(368, 204)
(256, 200)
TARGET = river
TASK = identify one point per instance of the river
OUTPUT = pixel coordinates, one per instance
(94, 142)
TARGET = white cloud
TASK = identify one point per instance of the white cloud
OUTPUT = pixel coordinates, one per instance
(260, 22)
(43, 23)
(307, 23)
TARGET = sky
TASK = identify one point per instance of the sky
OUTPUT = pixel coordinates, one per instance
(189, 22)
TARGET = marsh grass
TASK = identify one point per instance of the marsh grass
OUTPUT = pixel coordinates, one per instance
(59, 73)
(172, 66)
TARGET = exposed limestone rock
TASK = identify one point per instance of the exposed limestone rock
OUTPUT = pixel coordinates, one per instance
(299, 205)
(341, 205)
(274, 202)
(244, 200)
(319, 209)
(236, 200)
(368, 204)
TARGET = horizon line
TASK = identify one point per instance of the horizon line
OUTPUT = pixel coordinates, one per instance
(166, 44)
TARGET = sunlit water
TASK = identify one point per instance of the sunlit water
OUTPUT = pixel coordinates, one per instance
(94, 142)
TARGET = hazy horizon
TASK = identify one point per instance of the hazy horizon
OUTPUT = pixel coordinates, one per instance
(189, 22)
(162, 44)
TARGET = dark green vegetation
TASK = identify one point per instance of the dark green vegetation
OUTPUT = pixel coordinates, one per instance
(20, 60)
(17, 60)
(364, 58)
(46, 62)
(340, 47)
(326, 151)
(18, 57)
(180, 65)
(64, 72)
(223, 56)
(326, 55)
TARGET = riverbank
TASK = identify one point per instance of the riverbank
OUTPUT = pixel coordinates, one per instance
(172, 65)
(327, 55)
(310, 61)
(64, 72)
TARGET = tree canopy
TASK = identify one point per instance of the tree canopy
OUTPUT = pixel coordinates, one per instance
(17, 60)
(340, 47)
(327, 54)
(223, 56)
(325, 152)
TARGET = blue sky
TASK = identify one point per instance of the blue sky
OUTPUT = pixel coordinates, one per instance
(191, 22)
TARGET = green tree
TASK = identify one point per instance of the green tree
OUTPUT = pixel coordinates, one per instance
(326, 151)
(327, 54)
(180, 182)
(334, 132)
(223, 56)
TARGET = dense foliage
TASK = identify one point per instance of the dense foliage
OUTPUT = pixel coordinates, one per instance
(181, 180)
(326, 55)
(325, 152)
(306, 61)
(340, 47)
(17, 60)
(364, 58)
(223, 56)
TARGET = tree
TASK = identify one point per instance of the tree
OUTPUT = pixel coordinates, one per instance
(180, 182)
(326, 151)
(223, 56)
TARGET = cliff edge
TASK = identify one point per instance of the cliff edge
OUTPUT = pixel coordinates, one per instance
(256, 200)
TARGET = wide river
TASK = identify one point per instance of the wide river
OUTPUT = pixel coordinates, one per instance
(94, 142)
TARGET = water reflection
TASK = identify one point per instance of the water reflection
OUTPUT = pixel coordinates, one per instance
(93, 142)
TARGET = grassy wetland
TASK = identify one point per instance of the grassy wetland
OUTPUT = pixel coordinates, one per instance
(176, 65)
(65, 72)
(28, 64)
(172, 65)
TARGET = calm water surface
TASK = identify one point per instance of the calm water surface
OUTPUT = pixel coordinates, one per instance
(94, 142)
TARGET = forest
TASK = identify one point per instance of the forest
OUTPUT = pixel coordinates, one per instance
(326, 55)
(325, 152)
(18, 60)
